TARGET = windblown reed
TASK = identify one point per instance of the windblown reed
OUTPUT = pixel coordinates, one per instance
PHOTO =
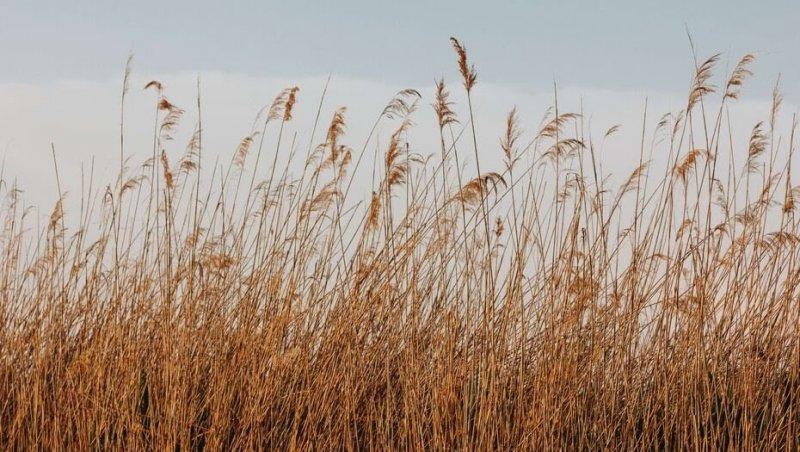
(532, 305)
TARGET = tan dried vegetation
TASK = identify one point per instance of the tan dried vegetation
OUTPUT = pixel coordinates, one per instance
(534, 305)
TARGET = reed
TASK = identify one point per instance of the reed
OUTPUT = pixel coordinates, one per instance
(532, 305)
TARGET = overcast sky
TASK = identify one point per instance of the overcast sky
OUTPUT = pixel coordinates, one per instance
(609, 44)
(61, 62)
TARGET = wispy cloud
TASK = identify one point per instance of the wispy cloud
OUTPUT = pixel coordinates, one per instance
(82, 119)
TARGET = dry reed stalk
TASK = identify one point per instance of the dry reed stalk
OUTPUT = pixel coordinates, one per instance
(284, 313)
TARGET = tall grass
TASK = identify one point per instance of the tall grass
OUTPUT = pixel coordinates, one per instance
(194, 304)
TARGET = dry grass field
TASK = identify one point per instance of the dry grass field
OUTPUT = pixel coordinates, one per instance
(454, 304)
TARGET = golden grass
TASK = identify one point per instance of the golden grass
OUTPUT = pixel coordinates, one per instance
(529, 306)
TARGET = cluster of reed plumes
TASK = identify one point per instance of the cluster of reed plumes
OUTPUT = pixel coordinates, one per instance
(523, 303)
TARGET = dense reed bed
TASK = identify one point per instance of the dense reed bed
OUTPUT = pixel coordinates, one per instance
(458, 302)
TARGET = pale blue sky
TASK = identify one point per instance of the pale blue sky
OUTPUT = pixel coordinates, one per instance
(613, 44)
(61, 65)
